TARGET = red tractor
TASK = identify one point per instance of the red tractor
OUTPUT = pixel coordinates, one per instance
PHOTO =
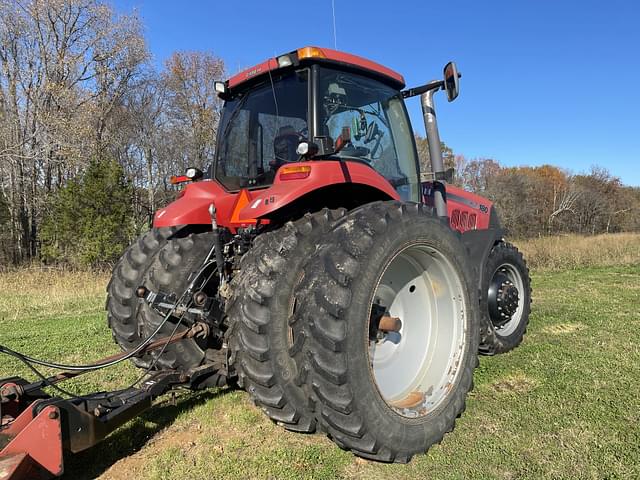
(343, 287)
(314, 264)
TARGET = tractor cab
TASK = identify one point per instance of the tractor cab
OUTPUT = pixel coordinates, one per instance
(314, 105)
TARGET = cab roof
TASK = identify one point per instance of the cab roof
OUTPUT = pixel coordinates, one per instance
(310, 55)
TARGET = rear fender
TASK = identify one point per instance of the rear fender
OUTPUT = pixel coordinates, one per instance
(479, 244)
(192, 206)
(323, 174)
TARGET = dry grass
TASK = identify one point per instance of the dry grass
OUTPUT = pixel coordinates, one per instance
(563, 405)
(36, 292)
(569, 252)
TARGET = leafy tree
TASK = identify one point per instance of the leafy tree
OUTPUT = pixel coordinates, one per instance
(90, 222)
(475, 175)
(66, 67)
(422, 146)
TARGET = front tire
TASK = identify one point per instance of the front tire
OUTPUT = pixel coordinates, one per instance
(389, 399)
(506, 299)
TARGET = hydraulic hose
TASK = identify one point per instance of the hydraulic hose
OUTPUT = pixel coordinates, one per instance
(132, 353)
(94, 366)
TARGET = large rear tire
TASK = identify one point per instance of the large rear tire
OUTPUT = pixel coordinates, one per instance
(122, 303)
(261, 312)
(389, 396)
(505, 301)
(166, 267)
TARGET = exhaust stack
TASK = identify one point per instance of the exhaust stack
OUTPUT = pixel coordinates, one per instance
(435, 153)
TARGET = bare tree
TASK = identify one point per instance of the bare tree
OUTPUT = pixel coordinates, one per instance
(475, 175)
(192, 104)
(64, 66)
(567, 203)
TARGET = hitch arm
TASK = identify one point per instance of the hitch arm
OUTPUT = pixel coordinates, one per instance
(35, 429)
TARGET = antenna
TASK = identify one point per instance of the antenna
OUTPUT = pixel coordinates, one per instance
(333, 12)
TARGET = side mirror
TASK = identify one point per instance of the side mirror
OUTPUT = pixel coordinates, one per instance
(451, 82)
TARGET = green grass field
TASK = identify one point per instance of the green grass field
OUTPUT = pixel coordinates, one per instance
(565, 404)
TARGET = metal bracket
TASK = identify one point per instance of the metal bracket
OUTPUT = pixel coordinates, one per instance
(32, 443)
(446, 176)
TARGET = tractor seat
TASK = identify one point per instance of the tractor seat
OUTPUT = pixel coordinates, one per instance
(284, 146)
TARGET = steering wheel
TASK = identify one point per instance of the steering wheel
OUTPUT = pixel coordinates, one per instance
(352, 150)
(284, 149)
(373, 134)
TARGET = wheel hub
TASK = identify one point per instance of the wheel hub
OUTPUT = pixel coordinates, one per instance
(416, 331)
(503, 299)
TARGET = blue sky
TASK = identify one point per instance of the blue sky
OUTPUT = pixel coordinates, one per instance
(543, 81)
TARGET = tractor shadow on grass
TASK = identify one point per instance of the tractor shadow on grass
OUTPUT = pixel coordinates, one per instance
(134, 435)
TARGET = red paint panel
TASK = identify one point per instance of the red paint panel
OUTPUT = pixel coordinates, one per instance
(18, 424)
(322, 174)
(330, 55)
(467, 211)
(192, 208)
(40, 439)
(249, 73)
(361, 62)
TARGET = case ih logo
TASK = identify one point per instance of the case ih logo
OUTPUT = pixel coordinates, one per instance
(254, 72)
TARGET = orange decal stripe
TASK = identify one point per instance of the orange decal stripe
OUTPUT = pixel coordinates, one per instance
(242, 201)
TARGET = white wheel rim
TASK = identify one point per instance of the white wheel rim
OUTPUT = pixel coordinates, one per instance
(415, 368)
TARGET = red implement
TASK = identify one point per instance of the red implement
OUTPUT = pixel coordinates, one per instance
(36, 429)
(32, 447)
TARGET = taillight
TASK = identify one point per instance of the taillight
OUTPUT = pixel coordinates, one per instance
(294, 172)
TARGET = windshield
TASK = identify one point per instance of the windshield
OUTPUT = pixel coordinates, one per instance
(377, 122)
(260, 131)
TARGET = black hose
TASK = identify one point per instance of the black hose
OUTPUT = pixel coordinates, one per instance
(44, 379)
(97, 366)
(155, 360)
(94, 366)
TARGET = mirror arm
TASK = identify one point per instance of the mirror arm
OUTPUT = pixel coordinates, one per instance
(432, 85)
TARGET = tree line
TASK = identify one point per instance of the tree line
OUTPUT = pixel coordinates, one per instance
(91, 130)
(83, 107)
(546, 200)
